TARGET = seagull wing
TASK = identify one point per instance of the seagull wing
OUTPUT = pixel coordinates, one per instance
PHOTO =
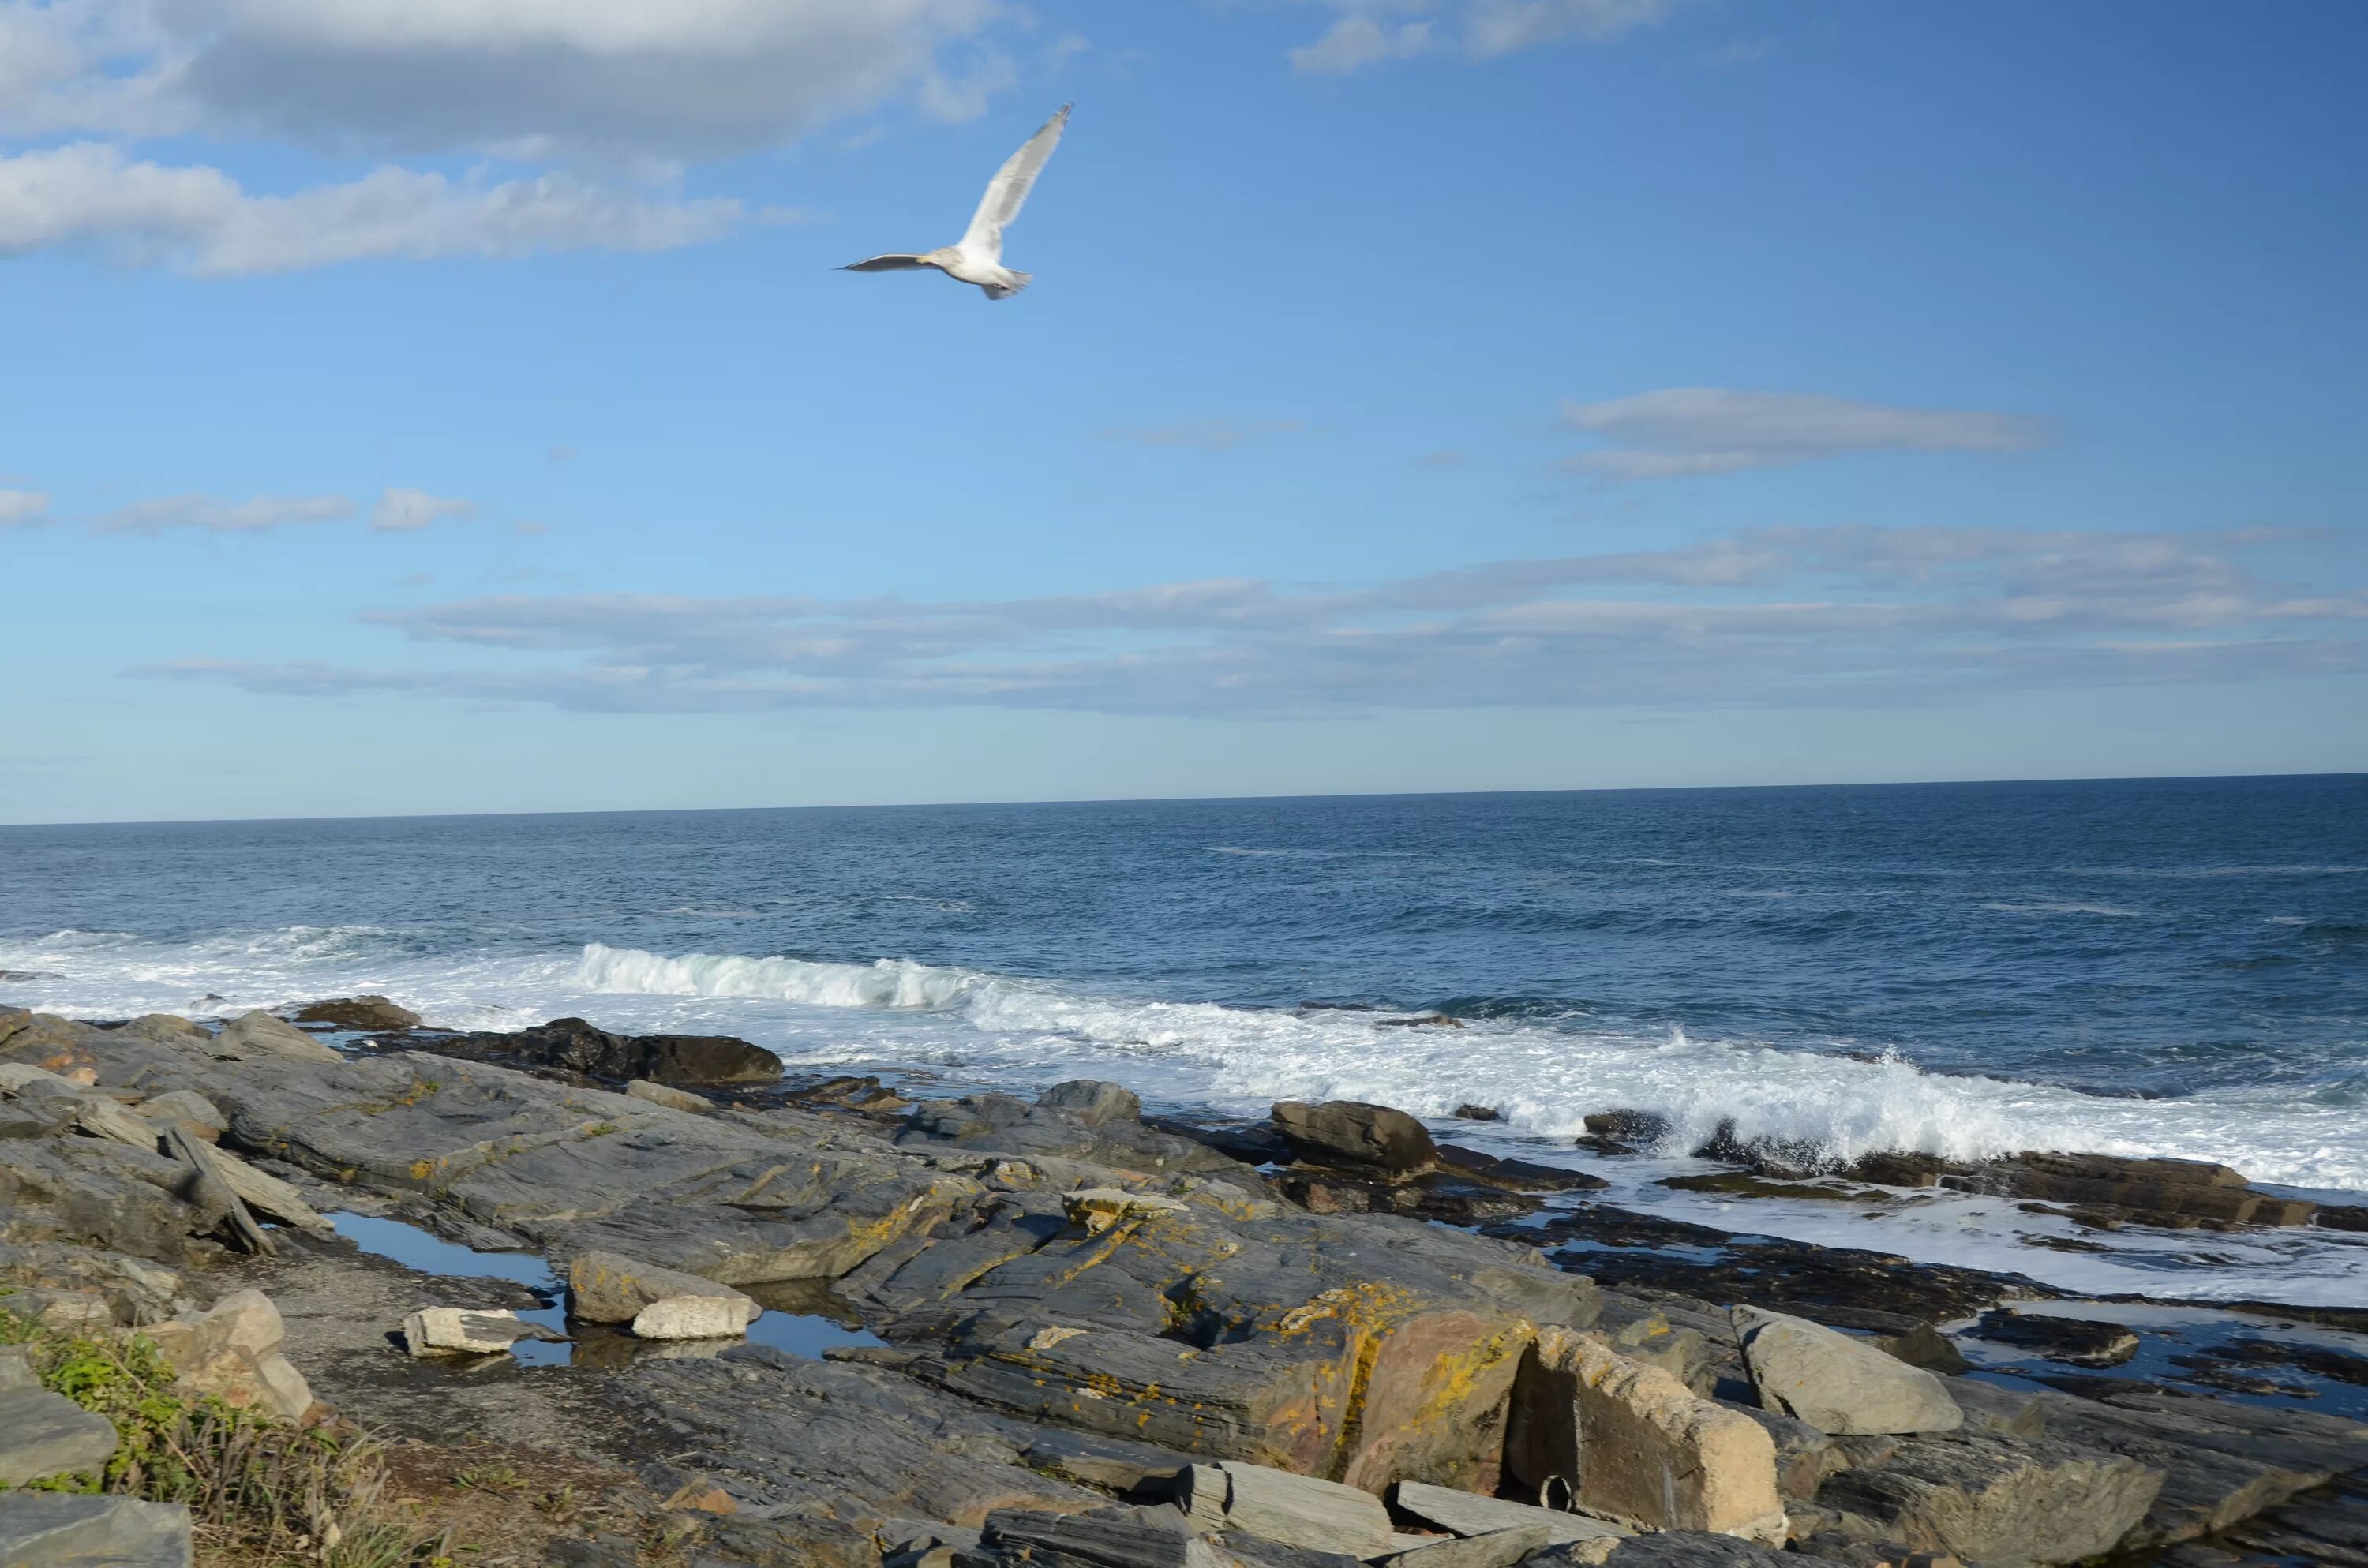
(887, 264)
(1007, 192)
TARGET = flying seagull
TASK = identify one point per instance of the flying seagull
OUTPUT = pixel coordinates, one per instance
(977, 257)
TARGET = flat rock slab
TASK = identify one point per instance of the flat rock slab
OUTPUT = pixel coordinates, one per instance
(1469, 1514)
(1996, 1502)
(59, 1529)
(1497, 1549)
(2082, 1342)
(457, 1331)
(1297, 1510)
(44, 1435)
(1839, 1384)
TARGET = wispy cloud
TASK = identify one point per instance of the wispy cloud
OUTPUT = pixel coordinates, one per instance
(207, 514)
(1856, 615)
(406, 511)
(1205, 434)
(1682, 431)
(23, 508)
(199, 219)
(1371, 32)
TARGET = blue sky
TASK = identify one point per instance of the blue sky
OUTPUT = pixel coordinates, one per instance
(423, 405)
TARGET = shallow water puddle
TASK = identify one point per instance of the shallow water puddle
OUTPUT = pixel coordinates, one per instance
(799, 1318)
(2249, 1357)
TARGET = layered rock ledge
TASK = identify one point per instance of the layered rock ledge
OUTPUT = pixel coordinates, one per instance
(1090, 1340)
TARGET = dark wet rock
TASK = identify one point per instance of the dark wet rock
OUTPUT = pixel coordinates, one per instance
(1447, 1197)
(364, 1014)
(572, 1045)
(1113, 1464)
(2342, 1216)
(1840, 1287)
(1682, 1548)
(1250, 1143)
(1006, 1125)
(1517, 1176)
(1900, 1167)
(860, 1092)
(2326, 1527)
(1478, 1113)
(1638, 1127)
(1419, 1021)
(1996, 1502)
(1352, 1133)
(2081, 1342)
(1926, 1346)
(1769, 1156)
(19, 976)
(1747, 1184)
(2153, 1191)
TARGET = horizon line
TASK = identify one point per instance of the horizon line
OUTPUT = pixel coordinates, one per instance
(1196, 799)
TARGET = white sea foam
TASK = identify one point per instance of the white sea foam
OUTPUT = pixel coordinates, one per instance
(888, 983)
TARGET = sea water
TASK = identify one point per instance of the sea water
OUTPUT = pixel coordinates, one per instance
(2166, 967)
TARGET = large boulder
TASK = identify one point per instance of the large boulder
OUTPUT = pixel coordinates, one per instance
(1352, 1133)
(1836, 1383)
(231, 1352)
(1648, 1451)
(258, 1034)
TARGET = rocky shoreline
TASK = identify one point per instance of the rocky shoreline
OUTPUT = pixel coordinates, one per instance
(1077, 1336)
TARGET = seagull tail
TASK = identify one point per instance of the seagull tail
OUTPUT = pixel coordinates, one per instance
(1013, 282)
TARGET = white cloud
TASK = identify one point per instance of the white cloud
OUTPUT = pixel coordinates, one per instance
(198, 219)
(682, 78)
(209, 515)
(1768, 616)
(1205, 434)
(1369, 32)
(403, 511)
(23, 510)
(1681, 431)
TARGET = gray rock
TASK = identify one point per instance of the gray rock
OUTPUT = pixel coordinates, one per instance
(605, 1287)
(694, 1317)
(456, 1331)
(17, 1368)
(258, 1034)
(1297, 1510)
(1997, 1501)
(1689, 1549)
(1356, 1133)
(1804, 1456)
(57, 1529)
(1470, 1514)
(186, 1110)
(668, 1095)
(1836, 1383)
(1093, 1102)
(1003, 1124)
(44, 1434)
(1108, 1537)
(1497, 1549)
(359, 1012)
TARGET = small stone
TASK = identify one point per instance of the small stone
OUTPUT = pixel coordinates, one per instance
(1478, 1113)
(1097, 1208)
(692, 1317)
(459, 1331)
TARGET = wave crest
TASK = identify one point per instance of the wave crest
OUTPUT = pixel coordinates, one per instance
(898, 983)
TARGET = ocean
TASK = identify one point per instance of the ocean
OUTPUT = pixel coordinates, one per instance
(2155, 967)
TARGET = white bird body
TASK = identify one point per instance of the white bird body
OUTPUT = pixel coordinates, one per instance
(977, 257)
